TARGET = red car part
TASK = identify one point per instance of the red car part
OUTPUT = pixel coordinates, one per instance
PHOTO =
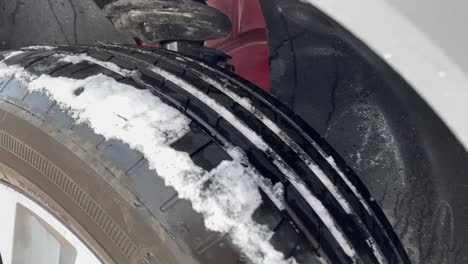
(247, 43)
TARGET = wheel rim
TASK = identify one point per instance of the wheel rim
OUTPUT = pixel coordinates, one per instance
(34, 235)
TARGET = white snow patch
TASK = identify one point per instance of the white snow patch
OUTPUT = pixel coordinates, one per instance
(332, 162)
(114, 110)
(375, 248)
(14, 72)
(227, 196)
(83, 57)
(12, 54)
(39, 47)
(320, 209)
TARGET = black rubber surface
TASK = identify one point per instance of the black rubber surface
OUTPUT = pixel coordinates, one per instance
(299, 230)
(55, 22)
(411, 162)
(155, 21)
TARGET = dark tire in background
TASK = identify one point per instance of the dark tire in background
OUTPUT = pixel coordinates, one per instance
(105, 192)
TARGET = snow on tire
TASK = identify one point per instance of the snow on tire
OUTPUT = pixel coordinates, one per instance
(153, 157)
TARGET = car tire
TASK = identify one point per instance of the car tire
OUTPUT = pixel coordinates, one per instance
(107, 194)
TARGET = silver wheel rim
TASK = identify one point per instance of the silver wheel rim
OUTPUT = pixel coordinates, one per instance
(31, 234)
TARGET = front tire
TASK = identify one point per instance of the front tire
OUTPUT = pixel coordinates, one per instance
(108, 195)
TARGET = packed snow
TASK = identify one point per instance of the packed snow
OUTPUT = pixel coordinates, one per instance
(12, 54)
(38, 47)
(227, 196)
(83, 57)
